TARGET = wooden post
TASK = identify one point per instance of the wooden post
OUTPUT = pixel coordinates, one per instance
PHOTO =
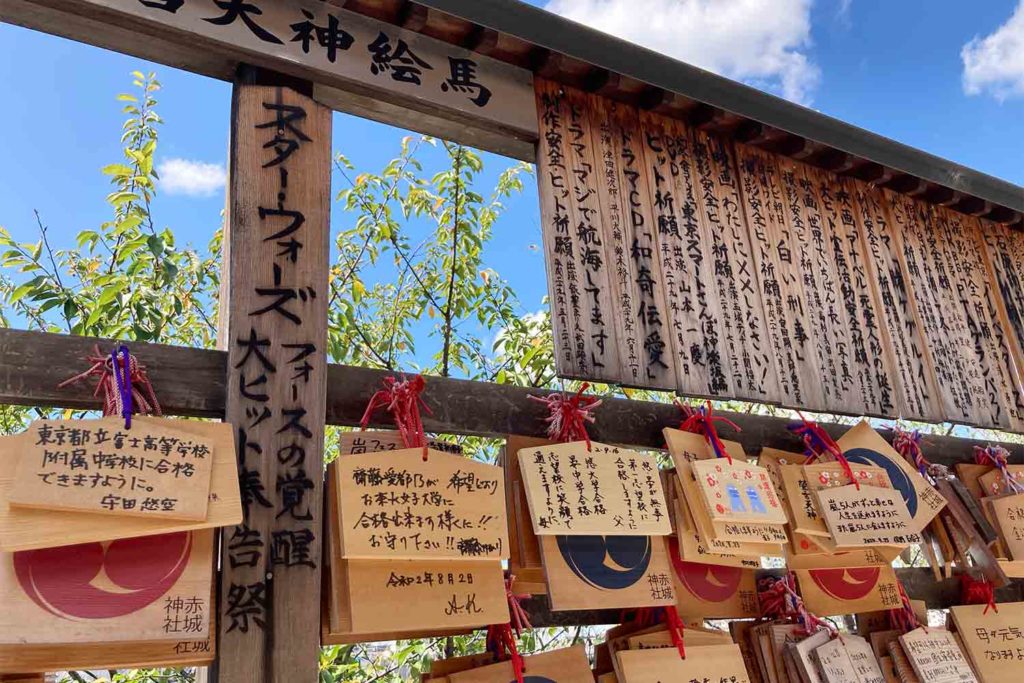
(274, 327)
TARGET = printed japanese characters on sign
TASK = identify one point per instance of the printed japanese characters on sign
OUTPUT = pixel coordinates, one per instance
(606, 490)
(869, 515)
(151, 470)
(397, 505)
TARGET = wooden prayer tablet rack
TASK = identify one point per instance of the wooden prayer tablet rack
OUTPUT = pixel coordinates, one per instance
(30, 529)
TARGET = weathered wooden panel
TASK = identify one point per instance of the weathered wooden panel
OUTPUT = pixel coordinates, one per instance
(1004, 258)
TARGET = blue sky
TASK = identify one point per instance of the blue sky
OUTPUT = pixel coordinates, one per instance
(943, 75)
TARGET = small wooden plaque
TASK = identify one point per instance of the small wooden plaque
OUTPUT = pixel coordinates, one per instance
(569, 665)
(685, 447)
(715, 592)
(720, 662)
(396, 505)
(1008, 512)
(993, 640)
(606, 490)
(30, 529)
(738, 492)
(848, 590)
(936, 656)
(867, 516)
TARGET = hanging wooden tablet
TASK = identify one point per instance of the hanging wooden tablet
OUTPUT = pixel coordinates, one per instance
(524, 547)
(848, 659)
(175, 654)
(396, 505)
(738, 492)
(993, 640)
(993, 482)
(936, 656)
(615, 572)
(904, 669)
(865, 516)
(848, 590)
(1004, 252)
(605, 490)
(803, 482)
(1008, 512)
(153, 470)
(840, 559)
(862, 445)
(378, 440)
(706, 534)
(714, 591)
(687, 447)
(688, 546)
(29, 529)
(569, 665)
(720, 662)
(150, 588)
(803, 653)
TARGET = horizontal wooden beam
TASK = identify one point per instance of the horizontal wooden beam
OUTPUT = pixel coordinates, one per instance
(190, 382)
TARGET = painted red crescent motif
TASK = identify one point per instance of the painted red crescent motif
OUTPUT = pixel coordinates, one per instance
(852, 583)
(708, 582)
(63, 581)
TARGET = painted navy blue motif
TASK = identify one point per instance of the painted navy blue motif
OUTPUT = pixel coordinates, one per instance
(900, 481)
(608, 562)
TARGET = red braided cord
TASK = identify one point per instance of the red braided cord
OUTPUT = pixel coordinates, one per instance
(977, 592)
(570, 415)
(701, 421)
(144, 401)
(819, 443)
(403, 401)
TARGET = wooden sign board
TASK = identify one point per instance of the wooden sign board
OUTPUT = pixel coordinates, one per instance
(936, 656)
(150, 588)
(848, 590)
(687, 447)
(424, 594)
(862, 445)
(801, 482)
(569, 665)
(688, 546)
(714, 591)
(993, 640)
(31, 529)
(118, 655)
(396, 505)
(993, 483)
(607, 572)
(377, 440)
(738, 491)
(1008, 512)
(605, 490)
(708, 535)
(153, 470)
(715, 662)
(858, 557)
(869, 515)
(848, 659)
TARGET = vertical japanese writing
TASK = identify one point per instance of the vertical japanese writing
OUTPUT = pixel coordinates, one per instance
(752, 367)
(1004, 252)
(901, 333)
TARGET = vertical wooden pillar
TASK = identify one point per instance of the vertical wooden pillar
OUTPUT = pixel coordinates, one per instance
(274, 326)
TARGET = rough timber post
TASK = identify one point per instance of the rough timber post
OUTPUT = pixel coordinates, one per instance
(274, 327)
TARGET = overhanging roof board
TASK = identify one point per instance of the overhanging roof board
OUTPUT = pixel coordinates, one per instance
(552, 32)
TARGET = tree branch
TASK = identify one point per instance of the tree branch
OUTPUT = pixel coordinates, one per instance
(450, 303)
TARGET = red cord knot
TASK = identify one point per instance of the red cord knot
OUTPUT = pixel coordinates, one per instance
(977, 592)
(702, 421)
(402, 399)
(818, 443)
(137, 397)
(569, 415)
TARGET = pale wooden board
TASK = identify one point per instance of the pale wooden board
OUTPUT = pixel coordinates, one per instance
(913, 379)
(738, 491)
(376, 440)
(1008, 513)
(619, 490)
(802, 482)
(866, 516)
(938, 314)
(936, 656)
(644, 574)
(704, 530)
(963, 265)
(523, 544)
(991, 639)
(748, 348)
(832, 345)
(427, 594)
(689, 547)
(615, 236)
(123, 655)
(791, 330)
(1004, 257)
(25, 529)
(651, 307)
(395, 505)
(276, 399)
(863, 444)
(864, 557)
(654, 666)
(991, 482)
(715, 591)
(872, 359)
(568, 665)
(683, 249)
(686, 447)
(151, 588)
(901, 665)
(849, 589)
(559, 246)
(98, 466)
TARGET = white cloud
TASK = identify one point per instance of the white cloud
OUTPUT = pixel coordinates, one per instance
(191, 178)
(761, 42)
(995, 64)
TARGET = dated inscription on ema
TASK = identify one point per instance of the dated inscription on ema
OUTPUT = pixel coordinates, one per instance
(150, 470)
(605, 490)
(397, 505)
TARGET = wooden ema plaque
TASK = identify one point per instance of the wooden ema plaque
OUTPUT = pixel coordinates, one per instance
(687, 542)
(993, 483)
(569, 665)
(396, 505)
(737, 492)
(710, 662)
(705, 531)
(687, 447)
(605, 490)
(866, 516)
(848, 659)
(993, 640)
(936, 656)
(846, 590)
(607, 572)
(31, 529)
(1008, 512)
(735, 534)
(801, 482)
(150, 588)
(153, 470)
(862, 445)
(714, 591)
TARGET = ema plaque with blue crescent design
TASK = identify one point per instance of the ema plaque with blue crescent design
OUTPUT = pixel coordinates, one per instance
(607, 562)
